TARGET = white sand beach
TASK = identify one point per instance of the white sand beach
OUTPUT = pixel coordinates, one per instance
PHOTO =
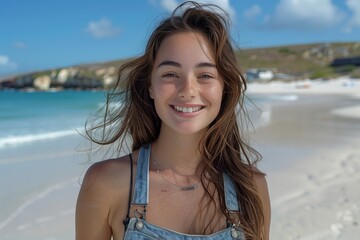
(311, 156)
(310, 144)
(39, 188)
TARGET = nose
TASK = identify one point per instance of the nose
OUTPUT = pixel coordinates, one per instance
(188, 88)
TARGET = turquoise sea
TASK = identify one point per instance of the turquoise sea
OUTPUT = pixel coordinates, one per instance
(26, 117)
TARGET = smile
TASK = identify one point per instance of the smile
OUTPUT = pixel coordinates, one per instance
(187, 109)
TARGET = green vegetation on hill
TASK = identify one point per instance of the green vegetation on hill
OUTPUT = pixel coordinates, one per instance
(311, 60)
(297, 61)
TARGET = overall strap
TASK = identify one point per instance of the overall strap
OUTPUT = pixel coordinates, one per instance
(231, 200)
(233, 207)
(141, 190)
(127, 218)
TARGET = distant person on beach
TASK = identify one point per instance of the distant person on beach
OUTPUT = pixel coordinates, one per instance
(190, 173)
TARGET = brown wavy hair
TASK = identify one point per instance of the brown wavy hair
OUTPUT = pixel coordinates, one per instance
(130, 112)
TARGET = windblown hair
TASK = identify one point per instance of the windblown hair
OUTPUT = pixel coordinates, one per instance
(130, 111)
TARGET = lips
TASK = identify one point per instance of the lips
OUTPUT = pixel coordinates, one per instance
(187, 109)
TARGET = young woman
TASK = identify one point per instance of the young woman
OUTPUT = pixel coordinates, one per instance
(190, 174)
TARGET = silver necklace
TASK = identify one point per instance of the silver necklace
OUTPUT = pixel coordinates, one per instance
(181, 188)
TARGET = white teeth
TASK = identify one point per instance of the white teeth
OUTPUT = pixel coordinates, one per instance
(187, 110)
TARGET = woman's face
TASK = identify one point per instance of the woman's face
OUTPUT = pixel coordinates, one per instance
(185, 84)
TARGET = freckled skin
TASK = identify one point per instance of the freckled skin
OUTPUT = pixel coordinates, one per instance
(192, 81)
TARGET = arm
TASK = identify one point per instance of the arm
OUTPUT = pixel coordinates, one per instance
(264, 195)
(93, 206)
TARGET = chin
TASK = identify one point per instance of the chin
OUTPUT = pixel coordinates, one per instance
(190, 131)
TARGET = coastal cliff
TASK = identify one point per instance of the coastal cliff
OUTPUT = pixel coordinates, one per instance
(80, 77)
(284, 63)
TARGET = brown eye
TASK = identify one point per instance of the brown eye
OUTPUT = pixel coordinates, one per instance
(205, 76)
(169, 75)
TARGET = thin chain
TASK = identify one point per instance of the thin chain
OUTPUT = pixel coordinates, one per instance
(181, 188)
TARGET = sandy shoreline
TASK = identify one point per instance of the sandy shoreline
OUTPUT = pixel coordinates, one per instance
(339, 86)
(310, 146)
(314, 144)
(40, 184)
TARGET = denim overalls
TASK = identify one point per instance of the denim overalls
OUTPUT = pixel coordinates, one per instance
(139, 229)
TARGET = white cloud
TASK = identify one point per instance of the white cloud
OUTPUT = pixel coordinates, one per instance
(253, 12)
(170, 5)
(224, 4)
(19, 45)
(102, 29)
(354, 7)
(4, 60)
(6, 63)
(305, 14)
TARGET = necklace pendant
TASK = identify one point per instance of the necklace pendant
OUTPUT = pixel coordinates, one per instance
(188, 188)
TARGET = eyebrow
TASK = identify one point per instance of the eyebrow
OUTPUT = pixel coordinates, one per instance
(169, 63)
(176, 64)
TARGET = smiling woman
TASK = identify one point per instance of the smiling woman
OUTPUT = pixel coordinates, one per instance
(187, 90)
(190, 174)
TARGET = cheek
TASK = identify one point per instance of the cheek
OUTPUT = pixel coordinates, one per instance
(163, 91)
(215, 94)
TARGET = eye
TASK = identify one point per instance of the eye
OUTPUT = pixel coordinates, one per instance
(169, 75)
(205, 76)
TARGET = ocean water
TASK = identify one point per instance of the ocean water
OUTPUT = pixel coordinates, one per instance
(40, 169)
(37, 116)
(27, 117)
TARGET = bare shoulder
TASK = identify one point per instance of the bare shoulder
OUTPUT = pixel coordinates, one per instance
(109, 178)
(261, 184)
(108, 174)
(106, 183)
(262, 187)
(102, 199)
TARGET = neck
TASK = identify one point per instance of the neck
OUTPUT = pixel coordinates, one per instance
(176, 152)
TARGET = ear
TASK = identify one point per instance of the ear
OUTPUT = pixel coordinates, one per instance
(151, 93)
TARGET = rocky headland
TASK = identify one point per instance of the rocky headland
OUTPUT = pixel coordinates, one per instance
(285, 63)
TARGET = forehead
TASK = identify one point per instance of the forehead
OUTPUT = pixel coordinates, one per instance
(185, 47)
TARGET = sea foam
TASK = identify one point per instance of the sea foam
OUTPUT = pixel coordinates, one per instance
(21, 139)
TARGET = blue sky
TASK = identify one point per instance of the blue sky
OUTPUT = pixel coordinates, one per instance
(45, 34)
